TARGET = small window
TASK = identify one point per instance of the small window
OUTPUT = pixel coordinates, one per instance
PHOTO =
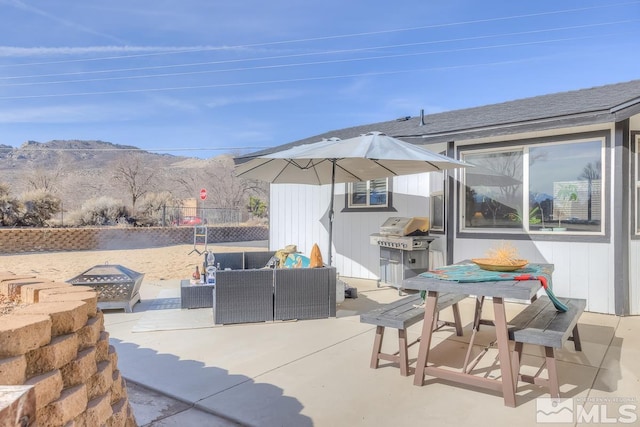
(369, 194)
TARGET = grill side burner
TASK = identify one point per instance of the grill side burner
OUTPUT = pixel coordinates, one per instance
(407, 243)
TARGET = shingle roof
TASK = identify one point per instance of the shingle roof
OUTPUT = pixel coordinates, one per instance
(602, 104)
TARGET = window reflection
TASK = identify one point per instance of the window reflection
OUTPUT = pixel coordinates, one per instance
(566, 186)
(493, 190)
(564, 191)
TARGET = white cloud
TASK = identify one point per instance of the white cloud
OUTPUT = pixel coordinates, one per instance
(173, 103)
(69, 114)
(28, 8)
(12, 51)
(276, 95)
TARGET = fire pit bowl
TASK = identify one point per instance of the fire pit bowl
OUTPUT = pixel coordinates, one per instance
(117, 286)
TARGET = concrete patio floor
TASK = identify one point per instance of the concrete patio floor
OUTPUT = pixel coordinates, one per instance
(316, 372)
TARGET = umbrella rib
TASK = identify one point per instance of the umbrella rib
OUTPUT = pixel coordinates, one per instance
(292, 162)
(347, 171)
(256, 167)
(289, 162)
(385, 168)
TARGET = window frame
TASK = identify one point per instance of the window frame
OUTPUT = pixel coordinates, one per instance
(524, 232)
(635, 141)
(349, 207)
(437, 198)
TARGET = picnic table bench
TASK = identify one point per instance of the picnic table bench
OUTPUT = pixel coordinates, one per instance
(400, 315)
(541, 324)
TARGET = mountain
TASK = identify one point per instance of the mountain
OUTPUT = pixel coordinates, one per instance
(77, 170)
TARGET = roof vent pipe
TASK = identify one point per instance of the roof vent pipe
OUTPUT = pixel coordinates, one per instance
(422, 117)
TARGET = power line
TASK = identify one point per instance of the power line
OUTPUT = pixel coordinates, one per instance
(303, 79)
(330, 52)
(332, 37)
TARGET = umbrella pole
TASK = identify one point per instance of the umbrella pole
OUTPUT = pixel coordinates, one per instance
(333, 184)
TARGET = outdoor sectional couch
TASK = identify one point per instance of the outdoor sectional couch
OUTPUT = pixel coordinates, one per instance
(247, 291)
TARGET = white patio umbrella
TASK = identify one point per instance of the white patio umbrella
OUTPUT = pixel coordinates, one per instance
(365, 157)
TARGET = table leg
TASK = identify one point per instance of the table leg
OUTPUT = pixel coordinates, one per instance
(425, 339)
(504, 354)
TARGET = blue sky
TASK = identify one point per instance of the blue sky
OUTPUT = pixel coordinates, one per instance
(207, 77)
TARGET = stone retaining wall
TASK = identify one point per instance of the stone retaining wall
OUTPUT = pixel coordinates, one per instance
(57, 344)
(21, 240)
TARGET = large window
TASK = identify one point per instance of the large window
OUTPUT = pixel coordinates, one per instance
(369, 194)
(541, 188)
(493, 190)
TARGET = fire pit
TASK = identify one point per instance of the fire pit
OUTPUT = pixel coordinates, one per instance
(117, 286)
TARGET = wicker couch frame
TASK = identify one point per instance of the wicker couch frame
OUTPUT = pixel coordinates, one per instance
(304, 293)
(253, 293)
(243, 296)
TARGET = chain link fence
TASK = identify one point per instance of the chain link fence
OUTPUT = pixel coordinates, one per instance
(190, 216)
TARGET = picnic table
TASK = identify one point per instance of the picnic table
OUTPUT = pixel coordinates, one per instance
(498, 290)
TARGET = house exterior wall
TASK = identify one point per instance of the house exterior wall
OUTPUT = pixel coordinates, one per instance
(299, 215)
(634, 244)
(584, 267)
(634, 274)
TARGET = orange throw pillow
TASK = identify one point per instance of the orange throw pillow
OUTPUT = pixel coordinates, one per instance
(316, 257)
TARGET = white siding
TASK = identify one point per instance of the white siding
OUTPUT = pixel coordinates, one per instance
(581, 270)
(299, 215)
(634, 274)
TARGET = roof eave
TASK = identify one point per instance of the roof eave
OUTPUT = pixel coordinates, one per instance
(595, 117)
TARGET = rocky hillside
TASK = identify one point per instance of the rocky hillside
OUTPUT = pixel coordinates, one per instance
(77, 171)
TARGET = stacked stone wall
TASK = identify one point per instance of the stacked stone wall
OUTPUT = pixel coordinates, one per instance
(57, 344)
(24, 240)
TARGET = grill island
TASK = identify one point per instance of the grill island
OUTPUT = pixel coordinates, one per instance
(117, 286)
(404, 249)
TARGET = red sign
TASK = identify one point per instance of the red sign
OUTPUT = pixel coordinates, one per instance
(203, 194)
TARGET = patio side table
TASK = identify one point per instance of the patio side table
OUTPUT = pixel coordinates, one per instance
(195, 296)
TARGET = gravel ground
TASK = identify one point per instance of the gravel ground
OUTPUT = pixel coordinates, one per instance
(165, 263)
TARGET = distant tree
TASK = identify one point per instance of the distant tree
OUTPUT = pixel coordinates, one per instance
(47, 180)
(135, 175)
(591, 172)
(37, 207)
(227, 190)
(189, 181)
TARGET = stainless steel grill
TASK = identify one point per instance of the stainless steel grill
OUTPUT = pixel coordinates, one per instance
(401, 255)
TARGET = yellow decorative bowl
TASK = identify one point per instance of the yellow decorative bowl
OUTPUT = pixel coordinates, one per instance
(494, 265)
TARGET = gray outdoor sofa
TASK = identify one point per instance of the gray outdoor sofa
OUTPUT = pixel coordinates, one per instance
(247, 291)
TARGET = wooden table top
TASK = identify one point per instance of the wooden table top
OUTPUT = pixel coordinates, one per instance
(516, 289)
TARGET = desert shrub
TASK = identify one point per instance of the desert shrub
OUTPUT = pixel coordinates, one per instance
(9, 211)
(101, 211)
(37, 207)
(9, 207)
(151, 206)
(257, 207)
